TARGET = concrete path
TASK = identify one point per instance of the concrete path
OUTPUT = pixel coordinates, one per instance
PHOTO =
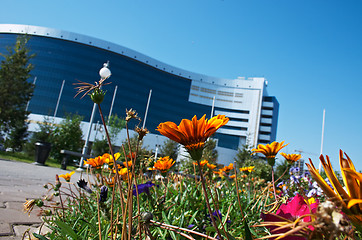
(18, 182)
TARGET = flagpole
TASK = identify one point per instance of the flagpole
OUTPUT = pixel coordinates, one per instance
(148, 104)
(27, 105)
(212, 107)
(60, 95)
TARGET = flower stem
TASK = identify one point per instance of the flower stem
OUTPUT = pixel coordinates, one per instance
(275, 193)
(207, 200)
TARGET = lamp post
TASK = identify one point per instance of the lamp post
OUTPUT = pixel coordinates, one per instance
(104, 72)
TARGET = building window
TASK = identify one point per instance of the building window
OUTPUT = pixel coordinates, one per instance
(229, 94)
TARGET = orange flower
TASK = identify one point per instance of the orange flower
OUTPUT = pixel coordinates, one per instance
(351, 198)
(193, 133)
(291, 158)
(164, 164)
(220, 172)
(66, 176)
(129, 163)
(202, 163)
(227, 169)
(96, 162)
(131, 155)
(232, 176)
(269, 150)
(211, 166)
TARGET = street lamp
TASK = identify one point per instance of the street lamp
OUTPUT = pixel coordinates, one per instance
(105, 73)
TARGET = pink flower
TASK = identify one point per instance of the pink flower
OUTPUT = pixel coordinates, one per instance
(288, 213)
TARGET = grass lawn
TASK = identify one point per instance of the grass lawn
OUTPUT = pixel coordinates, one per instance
(21, 157)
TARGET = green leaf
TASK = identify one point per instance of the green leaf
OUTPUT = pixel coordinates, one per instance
(65, 229)
(193, 217)
(210, 229)
(247, 231)
(41, 237)
(168, 222)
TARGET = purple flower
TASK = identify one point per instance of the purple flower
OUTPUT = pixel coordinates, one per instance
(143, 188)
(103, 194)
(294, 170)
(191, 226)
(216, 214)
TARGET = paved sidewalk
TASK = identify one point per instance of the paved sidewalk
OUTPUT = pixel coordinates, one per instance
(19, 181)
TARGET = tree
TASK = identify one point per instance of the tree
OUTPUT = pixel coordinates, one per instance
(243, 155)
(68, 136)
(210, 153)
(115, 125)
(44, 133)
(15, 92)
(169, 148)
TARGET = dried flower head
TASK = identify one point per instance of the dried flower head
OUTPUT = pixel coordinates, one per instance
(141, 132)
(97, 95)
(131, 114)
(29, 205)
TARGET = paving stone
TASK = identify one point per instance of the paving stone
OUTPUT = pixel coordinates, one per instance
(19, 181)
(5, 229)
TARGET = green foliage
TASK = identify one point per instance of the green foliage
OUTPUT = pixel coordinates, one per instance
(280, 169)
(44, 133)
(115, 124)
(99, 147)
(136, 146)
(169, 148)
(262, 170)
(243, 155)
(210, 153)
(16, 137)
(67, 135)
(15, 92)
(175, 200)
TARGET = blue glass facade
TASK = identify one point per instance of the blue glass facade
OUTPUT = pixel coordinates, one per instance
(176, 93)
(57, 60)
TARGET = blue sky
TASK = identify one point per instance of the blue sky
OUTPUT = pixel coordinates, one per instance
(309, 51)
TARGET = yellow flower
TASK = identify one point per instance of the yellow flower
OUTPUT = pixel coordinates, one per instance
(202, 163)
(108, 159)
(66, 176)
(193, 133)
(352, 198)
(164, 164)
(269, 150)
(96, 162)
(291, 158)
(247, 169)
(123, 173)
